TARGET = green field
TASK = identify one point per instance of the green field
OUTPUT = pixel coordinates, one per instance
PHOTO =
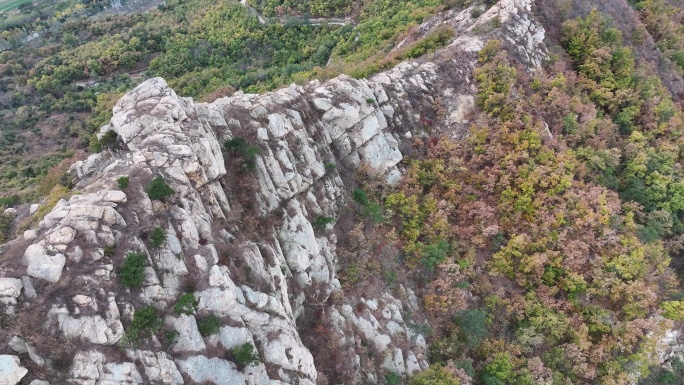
(10, 5)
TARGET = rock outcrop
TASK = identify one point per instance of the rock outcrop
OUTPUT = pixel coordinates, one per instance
(11, 371)
(239, 233)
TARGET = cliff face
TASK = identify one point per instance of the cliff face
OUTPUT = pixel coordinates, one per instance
(244, 236)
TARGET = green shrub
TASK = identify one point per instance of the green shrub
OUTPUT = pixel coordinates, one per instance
(170, 338)
(157, 237)
(122, 182)
(330, 167)
(435, 375)
(673, 310)
(146, 322)
(434, 254)
(390, 277)
(245, 355)
(392, 379)
(661, 376)
(499, 370)
(467, 366)
(107, 141)
(247, 152)
(321, 222)
(370, 101)
(237, 144)
(187, 304)
(370, 209)
(132, 272)
(476, 12)
(9, 201)
(158, 189)
(208, 325)
(472, 325)
(374, 212)
(5, 226)
(360, 196)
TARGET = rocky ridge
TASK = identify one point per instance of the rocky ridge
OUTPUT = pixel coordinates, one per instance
(243, 242)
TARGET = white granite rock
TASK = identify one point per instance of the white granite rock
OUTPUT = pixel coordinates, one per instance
(10, 370)
(30, 235)
(189, 339)
(215, 370)
(10, 287)
(43, 266)
(158, 367)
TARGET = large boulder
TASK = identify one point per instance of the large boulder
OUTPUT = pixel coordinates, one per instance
(43, 266)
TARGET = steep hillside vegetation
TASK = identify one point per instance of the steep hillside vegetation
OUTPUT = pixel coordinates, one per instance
(492, 205)
(60, 81)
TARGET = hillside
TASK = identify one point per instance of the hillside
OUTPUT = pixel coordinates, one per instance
(445, 193)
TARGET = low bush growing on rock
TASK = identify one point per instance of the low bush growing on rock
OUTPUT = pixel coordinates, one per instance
(146, 321)
(170, 338)
(321, 222)
(132, 272)
(122, 182)
(107, 141)
(247, 152)
(245, 355)
(208, 325)
(157, 237)
(159, 190)
(330, 167)
(187, 304)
